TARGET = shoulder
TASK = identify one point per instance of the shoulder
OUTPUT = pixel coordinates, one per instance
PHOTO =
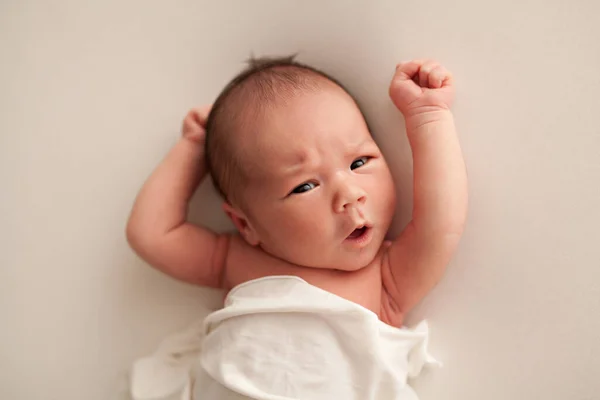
(245, 262)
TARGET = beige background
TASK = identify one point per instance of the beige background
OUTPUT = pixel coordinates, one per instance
(91, 97)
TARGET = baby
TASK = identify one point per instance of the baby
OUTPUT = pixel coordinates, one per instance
(309, 191)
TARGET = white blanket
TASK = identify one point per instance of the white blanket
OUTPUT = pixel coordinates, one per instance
(280, 338)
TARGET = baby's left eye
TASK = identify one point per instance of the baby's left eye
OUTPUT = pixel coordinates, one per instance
(359, 162)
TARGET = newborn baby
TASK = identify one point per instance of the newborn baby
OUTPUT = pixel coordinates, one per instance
(309, 191)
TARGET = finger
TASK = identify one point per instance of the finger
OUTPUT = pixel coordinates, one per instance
(424, 72)
(201, 114)
(402, 88)
(188, 122)
(448, 79)
(407, 70)
(436, 77)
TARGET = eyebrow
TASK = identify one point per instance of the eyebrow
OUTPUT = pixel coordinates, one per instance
(359, 145)
(294, 168)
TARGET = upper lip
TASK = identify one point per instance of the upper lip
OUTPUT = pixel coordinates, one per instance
(360, 226)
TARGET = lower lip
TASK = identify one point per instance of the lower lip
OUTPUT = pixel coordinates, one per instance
(362, 240)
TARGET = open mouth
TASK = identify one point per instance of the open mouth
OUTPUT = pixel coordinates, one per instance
(358, 233)
(360, 236)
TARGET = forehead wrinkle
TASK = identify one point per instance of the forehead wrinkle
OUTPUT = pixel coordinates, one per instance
(300, 161)
(263, 121)
(319, 143)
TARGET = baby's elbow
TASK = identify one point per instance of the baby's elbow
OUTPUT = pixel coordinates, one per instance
(131, 234)
(135, 236)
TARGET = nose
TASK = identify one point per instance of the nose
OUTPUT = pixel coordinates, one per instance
(348, 195)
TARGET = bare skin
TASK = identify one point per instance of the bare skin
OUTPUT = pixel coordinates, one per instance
(321, 201)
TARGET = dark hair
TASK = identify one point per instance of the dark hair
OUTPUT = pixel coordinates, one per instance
(263, 82)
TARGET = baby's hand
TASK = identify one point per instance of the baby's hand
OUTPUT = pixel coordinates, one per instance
(421, 86)
(194, 124)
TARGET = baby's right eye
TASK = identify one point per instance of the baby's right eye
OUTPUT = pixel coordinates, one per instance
(305, 187)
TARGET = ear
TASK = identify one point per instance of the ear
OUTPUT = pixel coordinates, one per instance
(242, 224)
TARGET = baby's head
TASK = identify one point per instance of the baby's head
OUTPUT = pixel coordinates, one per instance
(290, 152)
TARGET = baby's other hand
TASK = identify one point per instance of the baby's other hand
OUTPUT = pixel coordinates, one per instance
(421, 86)
(194, 124)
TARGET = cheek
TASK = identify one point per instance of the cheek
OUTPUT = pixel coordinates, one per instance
(384, 194)
(388, 192)
(305, 220)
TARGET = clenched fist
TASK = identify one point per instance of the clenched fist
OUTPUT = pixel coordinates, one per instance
(194, 124)
(421, 86)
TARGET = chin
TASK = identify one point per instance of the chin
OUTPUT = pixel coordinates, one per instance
(363, 259)
(354, 268)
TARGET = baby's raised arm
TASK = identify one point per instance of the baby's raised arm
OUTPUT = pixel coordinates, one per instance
(423, 91)
(157, 228)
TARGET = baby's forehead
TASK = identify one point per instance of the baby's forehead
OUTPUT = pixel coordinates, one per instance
(302, 129)
(250, 120)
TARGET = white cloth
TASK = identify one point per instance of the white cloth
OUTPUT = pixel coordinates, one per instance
(280, 338)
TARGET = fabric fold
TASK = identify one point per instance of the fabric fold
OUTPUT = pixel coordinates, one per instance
(280, 338)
